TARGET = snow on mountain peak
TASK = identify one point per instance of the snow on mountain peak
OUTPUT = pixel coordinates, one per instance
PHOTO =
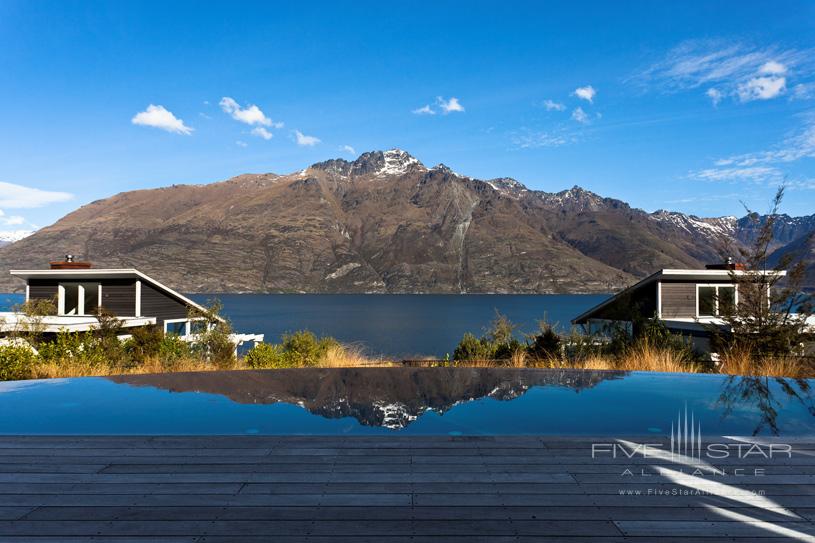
(397, 162)
(10, 236)
(710, 228)
(507, 186)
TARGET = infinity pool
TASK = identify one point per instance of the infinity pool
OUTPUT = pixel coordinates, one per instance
(410, 401)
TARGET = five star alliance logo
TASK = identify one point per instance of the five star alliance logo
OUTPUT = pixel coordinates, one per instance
(686, 436)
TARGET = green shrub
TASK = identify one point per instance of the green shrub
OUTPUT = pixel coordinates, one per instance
(303, 348)
(545, 345)
(266, 356)
(213, 343)
(16, 362)
(171, 349)
(144, 343)
(498, 343)
(73, 346)
(215, 346)
(473, 348)
(297, 350)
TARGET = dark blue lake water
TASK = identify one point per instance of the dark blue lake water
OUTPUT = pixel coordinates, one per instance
(410, 401)
(394, 325)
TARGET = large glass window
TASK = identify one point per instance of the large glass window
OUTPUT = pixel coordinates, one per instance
(78, 298)
(70, 299)
(175, 328)
(707, 301)
(727, 300)
(716, 300)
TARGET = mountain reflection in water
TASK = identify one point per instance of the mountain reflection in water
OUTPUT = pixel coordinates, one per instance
(380, 397)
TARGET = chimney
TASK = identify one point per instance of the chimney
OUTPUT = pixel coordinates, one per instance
(728, 264)
(70, 263)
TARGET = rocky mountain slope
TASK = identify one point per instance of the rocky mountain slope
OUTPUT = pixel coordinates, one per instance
(382, 223)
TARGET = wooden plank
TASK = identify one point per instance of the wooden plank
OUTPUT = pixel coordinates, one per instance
(300, 488)
(122, 488)
(741, 529)
(236, 528)
(728, 479)
(14, 513)
(366, 468)
(213, 500)
(392, 513)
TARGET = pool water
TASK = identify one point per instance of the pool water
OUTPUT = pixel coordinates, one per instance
(409, 401)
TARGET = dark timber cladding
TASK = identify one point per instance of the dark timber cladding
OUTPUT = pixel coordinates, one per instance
(642, 300)
(416, 489)
(155, 303)
(42, 289)
(119, 296)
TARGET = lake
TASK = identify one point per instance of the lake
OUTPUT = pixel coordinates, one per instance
(399, 325)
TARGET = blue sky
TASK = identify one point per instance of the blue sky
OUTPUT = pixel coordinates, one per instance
(694, 107)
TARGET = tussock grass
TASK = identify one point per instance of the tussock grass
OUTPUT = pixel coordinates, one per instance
(644, 356)
(596, 362)
(80, 368)
(349, 356)
(519, 359)
(339, 356)
(740, 361)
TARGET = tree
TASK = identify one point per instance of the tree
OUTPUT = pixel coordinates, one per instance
(32, 326)
(214, 340)
(769, 318)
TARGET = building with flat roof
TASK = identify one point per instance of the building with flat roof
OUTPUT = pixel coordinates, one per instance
(689, 302)
(79, 291)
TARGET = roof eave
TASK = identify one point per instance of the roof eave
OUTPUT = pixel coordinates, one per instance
(92, 272)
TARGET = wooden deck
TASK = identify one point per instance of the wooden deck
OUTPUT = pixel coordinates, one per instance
(404, 489)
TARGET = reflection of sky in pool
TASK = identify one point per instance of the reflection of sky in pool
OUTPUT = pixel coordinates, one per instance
(406, 401)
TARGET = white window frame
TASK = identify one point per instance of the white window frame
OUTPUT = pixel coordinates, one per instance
(138, 299)
(174, 321)
(717, 286)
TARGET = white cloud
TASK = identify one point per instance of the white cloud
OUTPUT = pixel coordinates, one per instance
(17, 196)
(773, 68)
(530, 139)
(302, 139)
(449, 106)
(803, 91)
(586, 93)
(762, 88)
(424, 110)
(241, 143)
(551, 105)
(754, 174)
(348, 149)
(10, 220)
(251, 115)
(715, 95)
(159, 117)
(736, 69)
(262, 133)
(580, 116)
(445, 106)
(764, 166)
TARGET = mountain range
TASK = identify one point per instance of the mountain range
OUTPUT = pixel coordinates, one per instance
(387, 223)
